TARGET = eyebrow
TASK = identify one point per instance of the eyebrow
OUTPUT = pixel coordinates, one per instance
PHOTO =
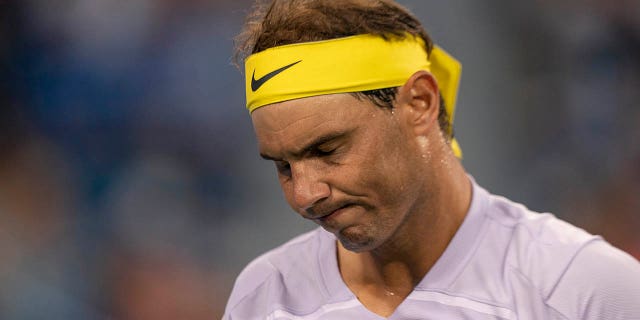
(315, 144)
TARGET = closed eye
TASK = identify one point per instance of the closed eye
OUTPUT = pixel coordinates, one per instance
(283, 168)
(322, 153)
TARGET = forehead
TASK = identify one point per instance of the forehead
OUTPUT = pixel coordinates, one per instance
(310, 114)
(288, 125)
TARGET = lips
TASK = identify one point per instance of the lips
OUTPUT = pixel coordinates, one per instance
(332, 214)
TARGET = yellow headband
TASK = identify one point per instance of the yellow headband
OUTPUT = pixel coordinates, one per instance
(350, 64)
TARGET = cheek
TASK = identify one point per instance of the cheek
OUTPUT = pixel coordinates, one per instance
(287, 191)
(383, 168)
(397, 178)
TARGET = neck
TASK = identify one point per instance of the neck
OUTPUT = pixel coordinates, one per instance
(398, 265)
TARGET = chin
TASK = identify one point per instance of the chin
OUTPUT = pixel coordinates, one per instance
(356, 241)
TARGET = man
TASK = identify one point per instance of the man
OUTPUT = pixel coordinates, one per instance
(354, 105)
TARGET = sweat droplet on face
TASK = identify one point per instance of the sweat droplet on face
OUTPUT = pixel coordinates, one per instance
(423, 141)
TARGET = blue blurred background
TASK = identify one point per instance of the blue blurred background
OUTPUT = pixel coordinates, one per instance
(131, 188)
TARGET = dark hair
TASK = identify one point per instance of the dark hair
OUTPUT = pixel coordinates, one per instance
(281, 22)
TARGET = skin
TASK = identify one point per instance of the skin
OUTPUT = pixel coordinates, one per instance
(386, 183)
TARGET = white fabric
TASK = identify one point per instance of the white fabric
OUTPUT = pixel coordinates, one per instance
(505, 262)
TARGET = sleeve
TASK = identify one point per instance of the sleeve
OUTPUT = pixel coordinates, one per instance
(602, 282)
(250, 292)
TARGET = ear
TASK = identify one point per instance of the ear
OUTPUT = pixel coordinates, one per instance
(419, 102)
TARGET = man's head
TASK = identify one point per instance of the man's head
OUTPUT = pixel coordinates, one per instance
(358, 170)
(361, 164)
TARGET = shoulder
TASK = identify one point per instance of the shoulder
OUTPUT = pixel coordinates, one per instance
(576, 274)
(538, 246)
(602, 282)
(270, 278)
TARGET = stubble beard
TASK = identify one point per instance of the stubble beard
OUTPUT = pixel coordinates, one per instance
(361, 238)
(356, 242)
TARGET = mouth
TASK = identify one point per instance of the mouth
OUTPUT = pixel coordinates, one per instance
(333, 214)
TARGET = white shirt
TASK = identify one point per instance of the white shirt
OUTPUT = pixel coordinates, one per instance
(504, 262)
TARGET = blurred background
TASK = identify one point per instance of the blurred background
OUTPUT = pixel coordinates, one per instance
(131, 187)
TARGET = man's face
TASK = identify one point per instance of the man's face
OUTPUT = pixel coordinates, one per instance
(346, 164)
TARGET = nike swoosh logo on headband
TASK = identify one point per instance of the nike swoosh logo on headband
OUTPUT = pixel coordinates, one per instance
(256, 84)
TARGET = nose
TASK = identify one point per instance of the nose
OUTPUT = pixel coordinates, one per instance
(308, 186)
